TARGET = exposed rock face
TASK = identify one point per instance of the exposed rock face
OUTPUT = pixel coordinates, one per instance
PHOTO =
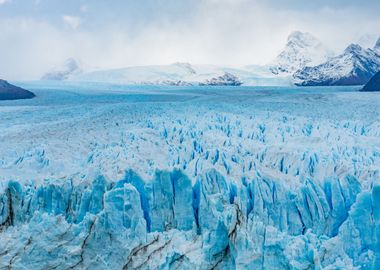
(11, 92)
(373, 84)
(354, 67)
(227, 79)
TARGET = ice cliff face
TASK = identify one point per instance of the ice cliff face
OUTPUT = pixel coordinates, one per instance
(354, 67)
(167, 223)
(302, 49)
(69, 68)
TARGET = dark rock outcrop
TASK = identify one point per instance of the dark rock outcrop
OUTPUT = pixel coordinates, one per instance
(227, 79)
(11, 92)
(373, 84)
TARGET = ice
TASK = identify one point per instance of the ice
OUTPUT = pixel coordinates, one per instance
(185, 74)
(150, 177)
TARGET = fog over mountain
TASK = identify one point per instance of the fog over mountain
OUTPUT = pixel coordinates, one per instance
(38, 35)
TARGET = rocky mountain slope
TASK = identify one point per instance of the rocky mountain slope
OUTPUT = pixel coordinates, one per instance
(373, 84)
(11, 92)
(354, 66)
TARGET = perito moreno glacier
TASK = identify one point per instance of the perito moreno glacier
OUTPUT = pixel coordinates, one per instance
(100, 176)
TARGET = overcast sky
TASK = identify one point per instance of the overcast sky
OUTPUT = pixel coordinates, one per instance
(36, 35)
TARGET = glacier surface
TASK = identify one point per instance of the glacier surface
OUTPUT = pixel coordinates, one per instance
(100, 176)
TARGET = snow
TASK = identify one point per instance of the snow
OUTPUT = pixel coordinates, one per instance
(106, 176)
(355, 66)
(184, 74)
(302, 49)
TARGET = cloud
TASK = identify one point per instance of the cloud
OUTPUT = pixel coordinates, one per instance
(72, 21)
(3, 1)
(221, 32)
(83, 8)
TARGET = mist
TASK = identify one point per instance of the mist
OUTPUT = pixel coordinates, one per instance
(38, 35)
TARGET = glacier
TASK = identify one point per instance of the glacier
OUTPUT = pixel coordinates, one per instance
(102, 176)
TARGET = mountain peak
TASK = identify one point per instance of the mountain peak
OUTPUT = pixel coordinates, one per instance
(304, 37)
(353, 48)
(302, 49)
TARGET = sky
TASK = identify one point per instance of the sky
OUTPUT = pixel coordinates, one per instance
(37, 35)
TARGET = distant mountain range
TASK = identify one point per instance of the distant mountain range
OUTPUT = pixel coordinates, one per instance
(180, 74)
(304, 61)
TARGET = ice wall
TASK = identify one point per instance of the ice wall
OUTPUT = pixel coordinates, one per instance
(215, 223)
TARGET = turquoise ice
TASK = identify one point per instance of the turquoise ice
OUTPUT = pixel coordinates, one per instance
(104, 176)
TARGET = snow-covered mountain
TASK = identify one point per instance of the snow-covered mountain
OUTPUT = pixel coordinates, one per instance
(302, 49)
(184, 74)
(68, 69)
(354, 66)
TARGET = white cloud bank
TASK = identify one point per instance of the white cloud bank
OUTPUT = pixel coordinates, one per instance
(221, 32)
(72, 21)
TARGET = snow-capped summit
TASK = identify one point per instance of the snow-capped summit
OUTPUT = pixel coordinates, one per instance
(355, 66)
(302, 49)
(68, 69)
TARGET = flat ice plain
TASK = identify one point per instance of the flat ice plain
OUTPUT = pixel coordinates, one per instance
(100, 176)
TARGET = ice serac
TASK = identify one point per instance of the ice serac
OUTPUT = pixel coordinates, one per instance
(355, 66)
(302, 49)
(209, 178)
(211, 223)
